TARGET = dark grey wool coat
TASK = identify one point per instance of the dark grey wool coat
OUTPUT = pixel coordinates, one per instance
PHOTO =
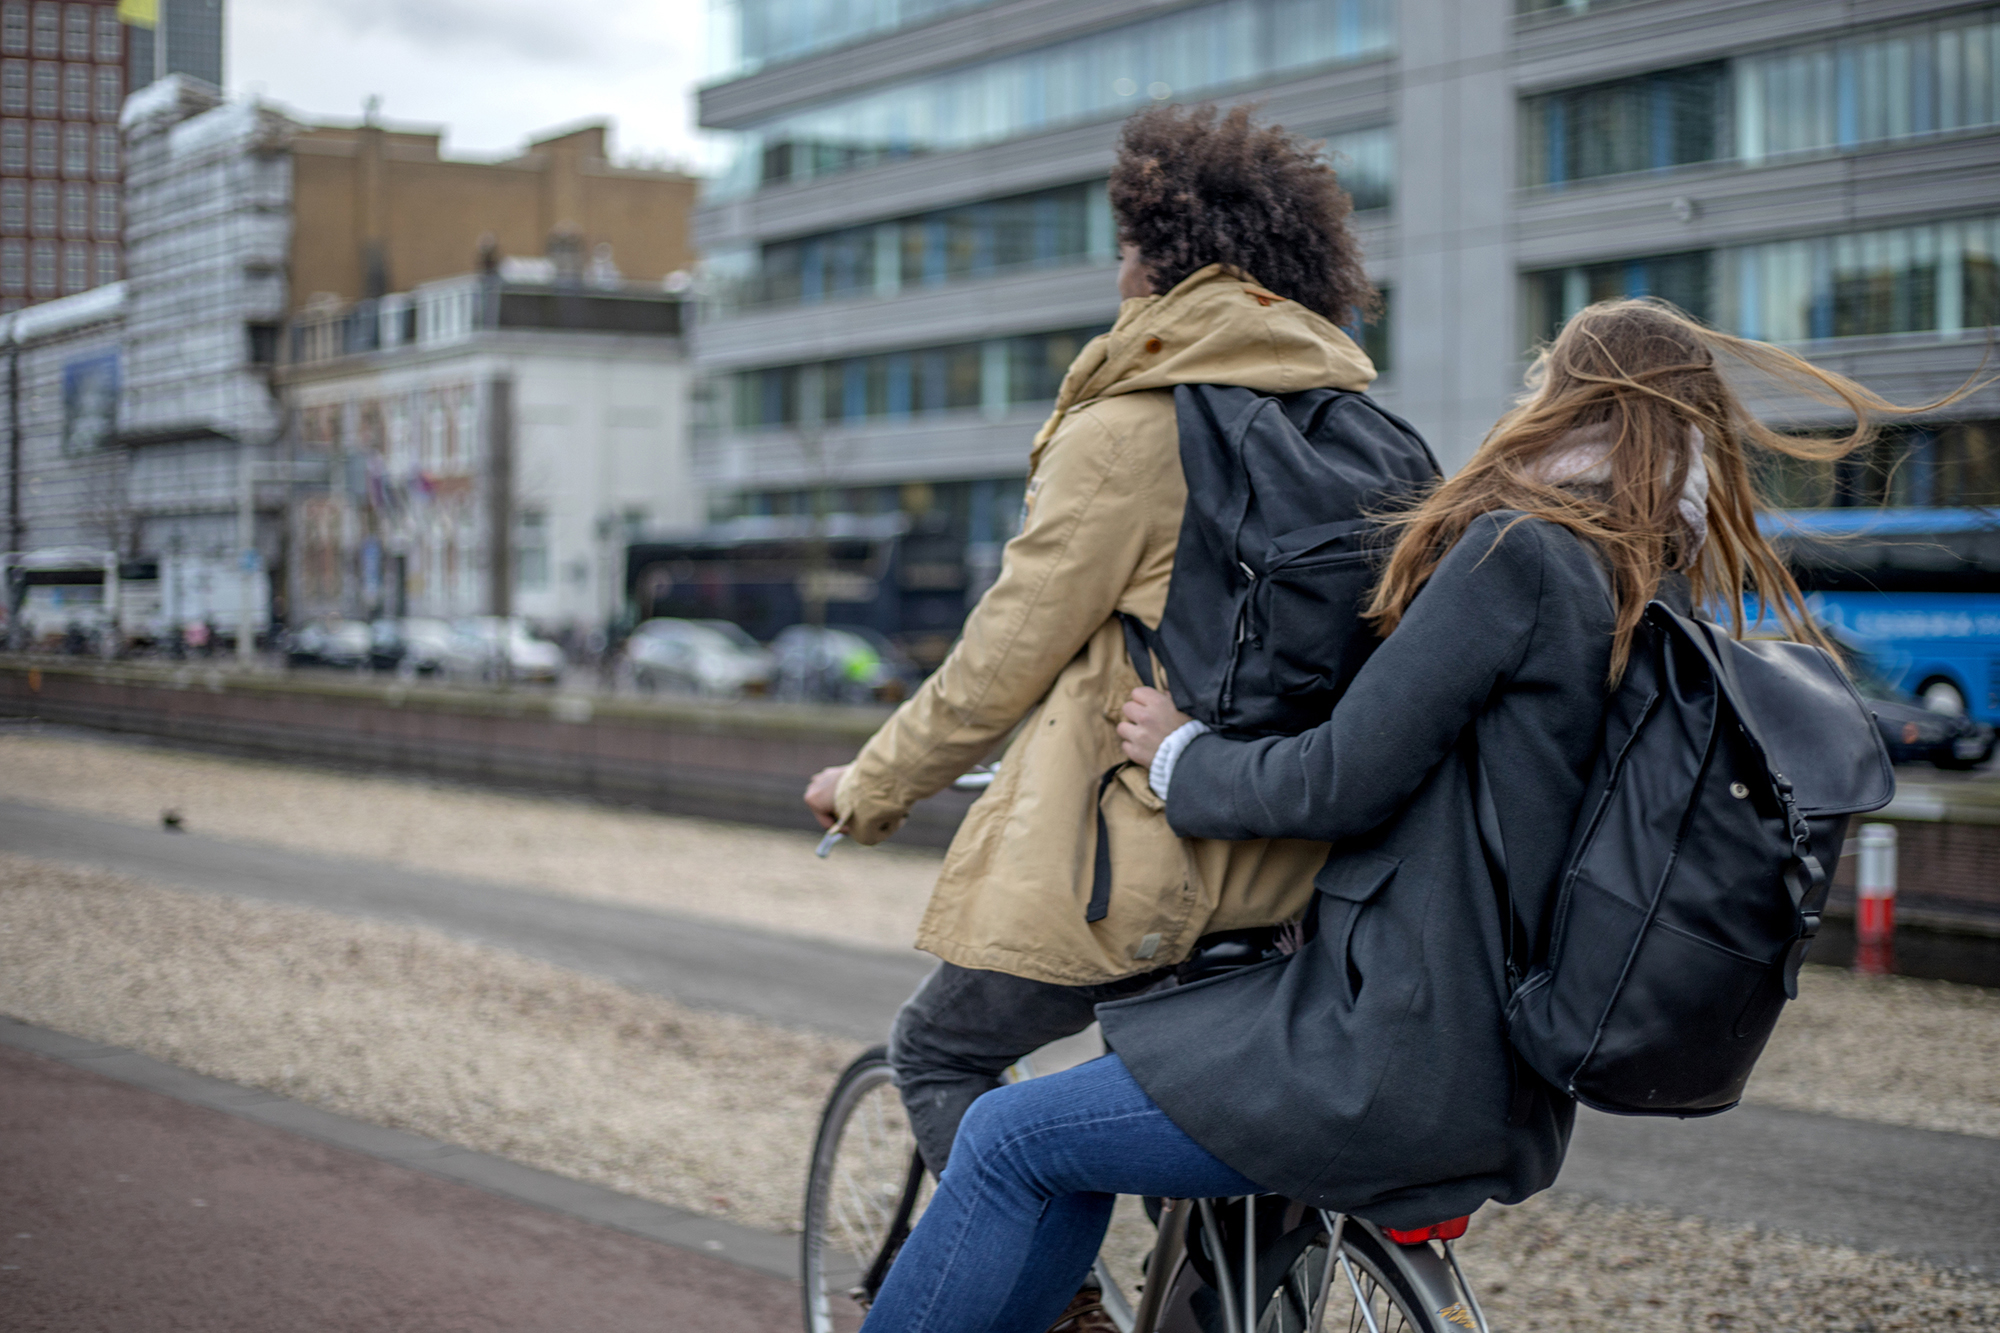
(1370, 1071)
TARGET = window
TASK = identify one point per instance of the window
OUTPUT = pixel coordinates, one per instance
(1375, 337)
(46, 140)
(13, 206)
(1035, 364)
(14, 28)
(1556, 294)
(76, 268)
(44, 196)
(76, 90)
(1182, 54)
(263, 340)
(76, 32)
(13, 266)
(766, 31)
(76, 150)
(1651, 123)
(1936, 278)
(1939, 278)
(107, 150)
(14, 147)
(43, 276)
(531, 552)
(107, 212)
(48, 29)
(76, 210)
(107, 264)
(14, 86)
(110, 45)
(110, 92)
(47, 97)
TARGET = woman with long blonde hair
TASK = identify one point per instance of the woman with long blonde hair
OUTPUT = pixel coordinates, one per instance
(1369, 1071)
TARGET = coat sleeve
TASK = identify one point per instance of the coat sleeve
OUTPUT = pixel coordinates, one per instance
(1086, 531)
(1464, 634)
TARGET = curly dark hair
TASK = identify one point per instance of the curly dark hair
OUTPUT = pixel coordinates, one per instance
(1196, 186)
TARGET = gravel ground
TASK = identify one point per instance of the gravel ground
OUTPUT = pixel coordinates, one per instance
(724, 872)
(1564, 1265)
(407, 1028)
(1894, 1050)
(715, 1114)
(1918, 1053)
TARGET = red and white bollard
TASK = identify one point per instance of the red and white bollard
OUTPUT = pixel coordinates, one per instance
(1875, 901)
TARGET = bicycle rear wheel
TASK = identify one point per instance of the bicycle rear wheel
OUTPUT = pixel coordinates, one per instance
(1373, 1289)
(1372, 1286)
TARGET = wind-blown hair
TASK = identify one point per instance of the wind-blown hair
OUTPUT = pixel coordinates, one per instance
(1643, 373)
(1194, 187)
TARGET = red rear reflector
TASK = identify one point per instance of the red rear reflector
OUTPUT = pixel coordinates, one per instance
(1451, 1230)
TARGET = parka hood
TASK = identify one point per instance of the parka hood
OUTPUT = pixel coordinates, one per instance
(1218, 326)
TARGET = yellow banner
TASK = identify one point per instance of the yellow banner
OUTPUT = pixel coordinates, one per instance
(139, 13)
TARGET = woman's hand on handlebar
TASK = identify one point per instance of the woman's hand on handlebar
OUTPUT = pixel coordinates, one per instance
(1150, 717)
(819, 794)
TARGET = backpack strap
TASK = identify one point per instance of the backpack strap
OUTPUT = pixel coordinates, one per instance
(1100, 875)
(1139, 646)
(1806, 880)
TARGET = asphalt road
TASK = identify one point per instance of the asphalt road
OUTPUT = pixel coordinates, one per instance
(125, 1209)
(1873, 1186)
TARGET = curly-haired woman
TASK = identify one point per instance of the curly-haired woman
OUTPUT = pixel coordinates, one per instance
(1238, 269)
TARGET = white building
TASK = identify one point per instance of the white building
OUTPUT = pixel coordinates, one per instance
(496, 445)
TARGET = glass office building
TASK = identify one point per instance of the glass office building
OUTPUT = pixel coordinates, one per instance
(912, 235)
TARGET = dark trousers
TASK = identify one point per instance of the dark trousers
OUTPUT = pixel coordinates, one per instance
(959, 1032)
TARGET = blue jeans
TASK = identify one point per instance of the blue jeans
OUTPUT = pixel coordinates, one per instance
(1022, 1207)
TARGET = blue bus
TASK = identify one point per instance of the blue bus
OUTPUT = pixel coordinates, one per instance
(1918, 589)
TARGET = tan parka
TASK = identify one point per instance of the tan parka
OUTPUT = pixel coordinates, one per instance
(1044, 650)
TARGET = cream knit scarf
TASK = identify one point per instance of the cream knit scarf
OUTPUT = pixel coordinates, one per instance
(1582, 459)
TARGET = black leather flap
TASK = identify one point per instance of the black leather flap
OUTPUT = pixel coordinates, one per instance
(1803, 711)
(1357, 876)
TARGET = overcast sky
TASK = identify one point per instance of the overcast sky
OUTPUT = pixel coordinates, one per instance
(492, 72)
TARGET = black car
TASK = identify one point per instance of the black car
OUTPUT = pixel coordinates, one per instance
(1913, 732)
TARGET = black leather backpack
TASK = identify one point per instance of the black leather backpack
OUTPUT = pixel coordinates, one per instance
(1698, 870)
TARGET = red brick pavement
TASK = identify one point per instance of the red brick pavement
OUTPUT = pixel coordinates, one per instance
(129, 1212)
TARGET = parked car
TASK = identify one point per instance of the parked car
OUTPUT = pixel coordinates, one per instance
(412, 646)
(331, 643)
(499, 648)
(1913, 730)
(708, 657)
(841, 664)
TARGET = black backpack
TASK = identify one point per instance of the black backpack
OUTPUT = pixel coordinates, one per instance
(1698, 870)
(1262, 631)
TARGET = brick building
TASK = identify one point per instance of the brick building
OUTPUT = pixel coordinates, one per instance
(65, 69)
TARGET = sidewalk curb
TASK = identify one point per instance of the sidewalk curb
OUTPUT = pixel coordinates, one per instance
(759, 1251)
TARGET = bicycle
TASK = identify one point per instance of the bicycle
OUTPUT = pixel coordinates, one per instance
(1214, 1258)
(1253, 1264)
